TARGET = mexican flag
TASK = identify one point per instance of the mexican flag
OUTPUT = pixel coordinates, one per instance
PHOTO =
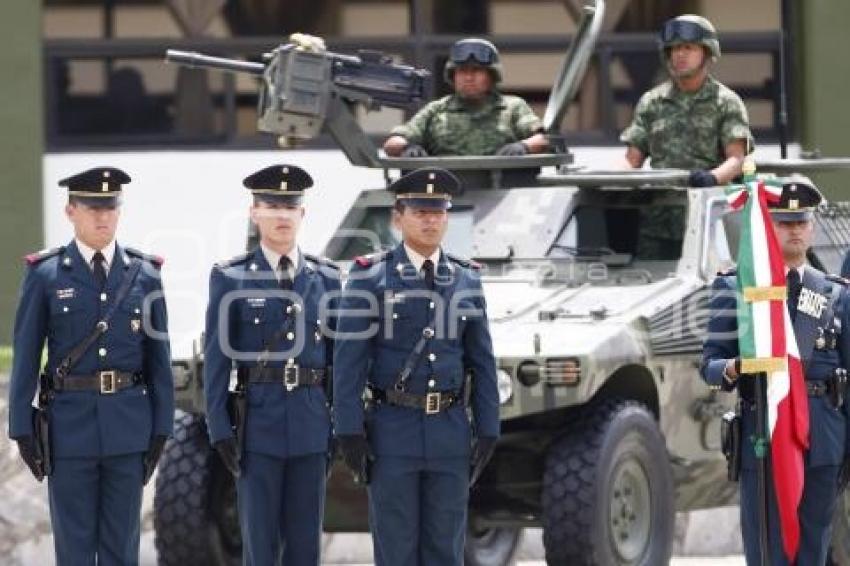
(767, 344)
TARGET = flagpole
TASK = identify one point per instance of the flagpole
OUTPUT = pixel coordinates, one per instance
(762, 452)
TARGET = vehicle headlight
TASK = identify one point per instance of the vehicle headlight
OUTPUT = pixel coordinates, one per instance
(504, 385)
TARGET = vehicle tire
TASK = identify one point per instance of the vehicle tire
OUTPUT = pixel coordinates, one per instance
(195, 515)
(608, 490)
(839, 553)
(495, 546)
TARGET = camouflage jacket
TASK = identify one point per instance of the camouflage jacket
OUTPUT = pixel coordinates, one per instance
(449, 126)
(688, 130)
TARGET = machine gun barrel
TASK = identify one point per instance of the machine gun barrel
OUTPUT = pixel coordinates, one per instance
(306, 89)
(199, 60)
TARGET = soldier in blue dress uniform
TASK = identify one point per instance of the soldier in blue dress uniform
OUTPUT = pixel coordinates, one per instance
(268, 318)
(412, 326)
(820, 311)
(106, 386)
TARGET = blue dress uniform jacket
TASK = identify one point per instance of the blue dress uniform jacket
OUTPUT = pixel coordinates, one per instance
(829, 439)
(99, 439)
(420, 477)
(246, 309)
(389, 297)
(61, 303)
(281, 485)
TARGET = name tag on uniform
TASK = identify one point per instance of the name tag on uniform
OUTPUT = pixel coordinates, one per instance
(811, 303)
(256, 302)
(65, 293)
(394, 298)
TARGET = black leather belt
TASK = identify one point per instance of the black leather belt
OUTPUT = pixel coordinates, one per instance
(814, 388)
(431, 403)
(290, 376)
(105, 382)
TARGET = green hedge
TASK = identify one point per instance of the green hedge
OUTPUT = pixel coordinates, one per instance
(5, 358)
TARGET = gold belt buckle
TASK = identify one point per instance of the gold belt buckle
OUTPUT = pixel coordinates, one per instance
(290, 376)
(432, 403)
(107, 382)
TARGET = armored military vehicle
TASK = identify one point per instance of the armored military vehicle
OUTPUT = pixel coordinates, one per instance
(597, 286)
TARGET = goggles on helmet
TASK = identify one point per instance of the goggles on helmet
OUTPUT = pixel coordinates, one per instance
(480, 53)
(688, 32)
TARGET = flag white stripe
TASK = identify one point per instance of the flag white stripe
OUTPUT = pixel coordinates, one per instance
(779, 382)
(762, 333)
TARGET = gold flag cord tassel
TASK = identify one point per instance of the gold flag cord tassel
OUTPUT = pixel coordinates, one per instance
(759, 294)
(759, 365)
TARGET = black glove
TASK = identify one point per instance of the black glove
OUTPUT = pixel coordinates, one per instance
(357, 455)
(228, 451)
(414, 150)
(30, 456)
(482, 451)
(152, 457)
(844, 475)
(702, 178)
(513, 149)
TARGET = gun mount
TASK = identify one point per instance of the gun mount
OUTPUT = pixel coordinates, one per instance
(305, 90)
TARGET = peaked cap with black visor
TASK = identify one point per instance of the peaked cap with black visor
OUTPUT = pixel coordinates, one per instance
(279, 184)
(798, 200)
(428, 187)
(99, 187)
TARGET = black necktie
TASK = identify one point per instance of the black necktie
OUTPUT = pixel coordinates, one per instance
(428, 273)
(792, 280)
(98, 268)
(285, 278)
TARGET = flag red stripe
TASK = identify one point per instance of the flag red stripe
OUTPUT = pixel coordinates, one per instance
(787, 461)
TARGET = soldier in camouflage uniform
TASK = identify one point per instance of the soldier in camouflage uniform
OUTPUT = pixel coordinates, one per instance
(477, 119)
(690, 121)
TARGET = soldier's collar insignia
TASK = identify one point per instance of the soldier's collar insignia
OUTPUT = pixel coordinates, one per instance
(66, 262)
(253, 267)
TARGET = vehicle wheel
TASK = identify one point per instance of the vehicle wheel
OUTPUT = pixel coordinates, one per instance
(195, 514)
(840, 546)
(608, 490)
(490, 546)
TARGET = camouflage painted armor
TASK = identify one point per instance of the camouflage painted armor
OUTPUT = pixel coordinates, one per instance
(449, 126)
(688, 130)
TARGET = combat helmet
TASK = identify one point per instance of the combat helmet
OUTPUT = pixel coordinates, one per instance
(688, 28)
(475, 50)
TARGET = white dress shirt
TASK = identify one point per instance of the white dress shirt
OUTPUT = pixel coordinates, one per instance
(88, 253)
(418, 259)
(274, 261)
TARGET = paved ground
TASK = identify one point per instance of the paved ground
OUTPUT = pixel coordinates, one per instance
(25, 536)
(710, 561)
